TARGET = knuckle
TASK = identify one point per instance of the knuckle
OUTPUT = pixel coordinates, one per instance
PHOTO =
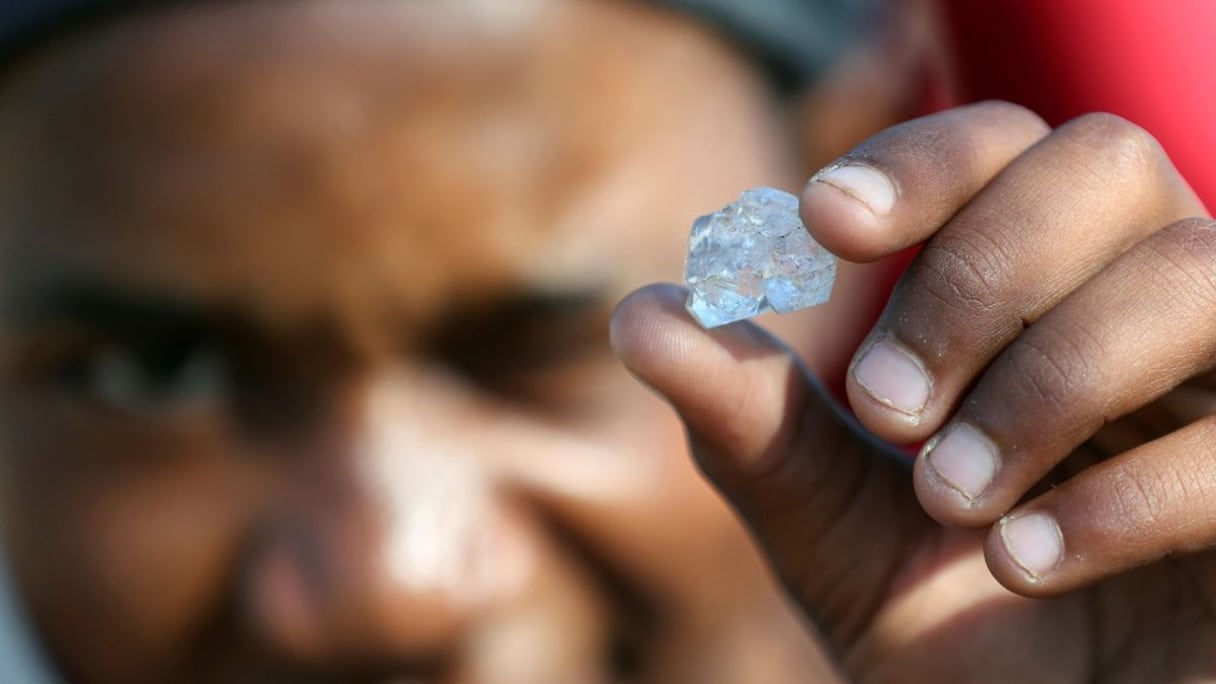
(1186, 254)
(1203, 468)
(1120, 145)
(965, 275)
(1145, 494)
(1197, 235)
(1049, 368)
(1141, 497)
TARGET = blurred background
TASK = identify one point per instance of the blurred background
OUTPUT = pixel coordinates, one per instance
(304, 366)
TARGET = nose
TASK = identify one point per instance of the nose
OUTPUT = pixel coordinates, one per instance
(394, 539)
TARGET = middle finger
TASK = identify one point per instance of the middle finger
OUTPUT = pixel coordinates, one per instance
(1055, 216)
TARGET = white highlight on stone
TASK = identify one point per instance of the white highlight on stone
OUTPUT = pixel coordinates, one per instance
(753, 256)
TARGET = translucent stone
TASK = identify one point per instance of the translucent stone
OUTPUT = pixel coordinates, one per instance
(753, 256)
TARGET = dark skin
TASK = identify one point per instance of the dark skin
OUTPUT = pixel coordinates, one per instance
(1060, 313)
(305, 370)
(253, 255)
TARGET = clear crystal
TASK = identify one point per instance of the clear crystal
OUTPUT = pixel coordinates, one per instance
(753, 256)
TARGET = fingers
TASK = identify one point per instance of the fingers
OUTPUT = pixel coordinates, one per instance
(1129, 335)
(1055, 216)
(804, 481)
(1152, 502)
(1046, 283)
(898, 188)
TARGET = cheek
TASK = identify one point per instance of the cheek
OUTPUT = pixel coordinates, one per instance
(623, 447)
(650, 438)
(624, 483)
(673, 507)
(116, 530)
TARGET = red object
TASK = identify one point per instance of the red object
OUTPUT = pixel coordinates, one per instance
(1153, 63)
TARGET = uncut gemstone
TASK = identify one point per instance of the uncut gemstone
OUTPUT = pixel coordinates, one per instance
(754, 256)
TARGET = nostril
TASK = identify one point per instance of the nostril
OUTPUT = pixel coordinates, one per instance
(627, 654)
(315, 596)
(283, 610)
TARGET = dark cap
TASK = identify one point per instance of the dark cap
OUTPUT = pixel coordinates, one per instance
(25, 23)
(795, 39)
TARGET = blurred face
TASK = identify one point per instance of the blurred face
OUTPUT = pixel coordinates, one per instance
(303, 362)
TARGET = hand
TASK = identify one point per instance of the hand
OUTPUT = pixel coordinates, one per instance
(1051, 342)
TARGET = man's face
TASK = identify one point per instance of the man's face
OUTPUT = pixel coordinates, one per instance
(303, 367)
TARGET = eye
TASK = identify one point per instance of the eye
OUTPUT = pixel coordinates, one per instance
(166, 377)
(536, 350)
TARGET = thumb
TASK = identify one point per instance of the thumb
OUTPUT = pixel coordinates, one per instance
(830, 507)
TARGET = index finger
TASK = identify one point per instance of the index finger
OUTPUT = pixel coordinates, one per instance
(850, 207)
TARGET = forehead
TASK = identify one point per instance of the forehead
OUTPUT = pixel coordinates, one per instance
(322, 153)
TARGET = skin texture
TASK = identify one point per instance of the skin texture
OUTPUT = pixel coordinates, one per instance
(304, 370)
(1060, 309)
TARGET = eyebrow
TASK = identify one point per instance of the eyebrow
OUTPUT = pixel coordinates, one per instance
(105, 308)
(547, 318)
(527, 304)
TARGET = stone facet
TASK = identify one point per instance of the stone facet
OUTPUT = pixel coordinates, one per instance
(754, 256)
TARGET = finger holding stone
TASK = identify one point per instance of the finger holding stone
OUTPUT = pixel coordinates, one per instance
(775, 445)
(1141, 327)
(1155, 501)
(1051, 220)
(898, 188)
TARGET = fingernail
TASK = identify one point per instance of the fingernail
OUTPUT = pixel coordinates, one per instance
(865, 184)
(1034, 542)
(894, 377)
(965, 459)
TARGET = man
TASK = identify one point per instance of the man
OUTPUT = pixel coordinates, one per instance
(305, 375)
(306, 370)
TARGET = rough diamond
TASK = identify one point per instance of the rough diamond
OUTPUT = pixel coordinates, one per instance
(753, 256)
